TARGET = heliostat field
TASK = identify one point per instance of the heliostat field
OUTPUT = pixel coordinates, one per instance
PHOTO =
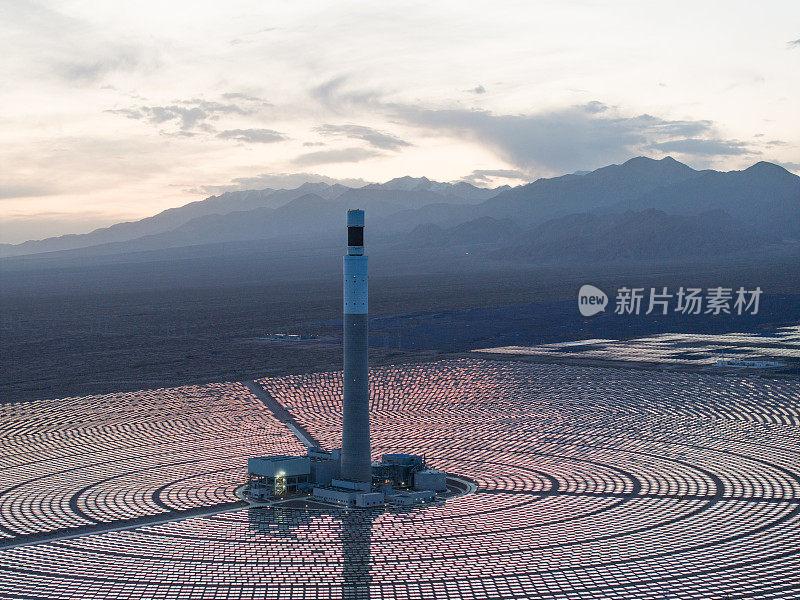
(589, 482)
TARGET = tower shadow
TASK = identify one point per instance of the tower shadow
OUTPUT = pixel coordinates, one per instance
(351, 528)
(356, 540)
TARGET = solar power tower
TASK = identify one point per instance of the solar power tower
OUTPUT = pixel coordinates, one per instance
(356, 456)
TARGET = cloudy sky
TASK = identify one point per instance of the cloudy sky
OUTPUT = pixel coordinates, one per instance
(117, 110)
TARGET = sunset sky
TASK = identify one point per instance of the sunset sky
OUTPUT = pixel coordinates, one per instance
(113, 111)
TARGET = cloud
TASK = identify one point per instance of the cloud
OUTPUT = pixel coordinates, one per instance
(704, 147)
(242, 96)
(563, 140)
(191, 116)
(794, 44)
(478, 90)
(373, 137)
(576, 137)
(485, 176)
(113, 59)
(17, 189)
(58, 43)
(288, 181)
(264, 136)
(331, 95)
(594, 107)
(130, 113)
(323, 157)
(220, 108)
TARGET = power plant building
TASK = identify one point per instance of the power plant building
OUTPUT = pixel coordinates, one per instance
(277, 475)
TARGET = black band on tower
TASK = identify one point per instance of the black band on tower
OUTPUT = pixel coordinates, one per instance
(355, 236)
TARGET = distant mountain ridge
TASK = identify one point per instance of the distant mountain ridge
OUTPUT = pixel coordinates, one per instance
(423, 184)
(409, 191)
(641, 197)
(635, 236)
(591, 238)
(765, 196)
(598, 190)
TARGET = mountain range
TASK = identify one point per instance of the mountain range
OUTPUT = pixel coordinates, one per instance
(397, 194)
(643, 209)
